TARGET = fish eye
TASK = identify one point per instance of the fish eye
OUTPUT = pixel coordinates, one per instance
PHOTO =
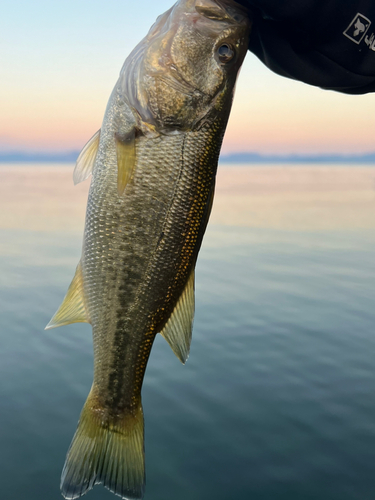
(225, 53)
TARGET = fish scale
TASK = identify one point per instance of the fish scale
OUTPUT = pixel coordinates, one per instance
(153, 166)
(193, 172)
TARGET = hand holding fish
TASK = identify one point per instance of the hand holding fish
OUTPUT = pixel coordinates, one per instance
(326, 44)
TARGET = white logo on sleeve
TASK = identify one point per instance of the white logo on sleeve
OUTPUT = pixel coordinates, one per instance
(357, 28)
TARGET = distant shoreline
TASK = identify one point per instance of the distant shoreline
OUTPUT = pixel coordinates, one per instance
(235, 158)
(294, 158)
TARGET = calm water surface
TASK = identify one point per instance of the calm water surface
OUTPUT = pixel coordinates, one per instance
(277, 399)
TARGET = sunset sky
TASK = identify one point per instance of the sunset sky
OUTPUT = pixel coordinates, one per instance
(60, 60)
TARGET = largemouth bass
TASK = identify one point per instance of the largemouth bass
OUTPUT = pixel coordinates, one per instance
(153, 166)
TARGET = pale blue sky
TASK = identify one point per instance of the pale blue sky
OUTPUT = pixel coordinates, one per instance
(60, 60)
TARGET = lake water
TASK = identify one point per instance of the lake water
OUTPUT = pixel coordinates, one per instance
(277, 399)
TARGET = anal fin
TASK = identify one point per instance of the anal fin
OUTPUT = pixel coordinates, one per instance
(177, 332)
(72, 309)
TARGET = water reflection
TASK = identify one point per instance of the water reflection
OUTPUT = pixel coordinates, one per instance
(41, 198)
(302, 198)
(277, 398)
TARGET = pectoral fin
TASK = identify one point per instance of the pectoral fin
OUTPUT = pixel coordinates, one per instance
(125, 149)
(72, 309)
(86, 159)
(177, 331)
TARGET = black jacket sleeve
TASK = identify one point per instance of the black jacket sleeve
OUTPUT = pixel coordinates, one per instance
(326, 43)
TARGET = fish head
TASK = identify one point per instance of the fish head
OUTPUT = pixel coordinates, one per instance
(185, 70)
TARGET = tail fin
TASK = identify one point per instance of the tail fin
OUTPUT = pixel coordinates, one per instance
(101, 452)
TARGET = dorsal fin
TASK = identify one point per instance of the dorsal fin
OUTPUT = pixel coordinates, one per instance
(125, 149)
(72, 309)
(177, 331)
(86, 159)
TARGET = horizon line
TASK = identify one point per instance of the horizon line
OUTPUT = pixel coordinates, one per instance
(240, 157)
